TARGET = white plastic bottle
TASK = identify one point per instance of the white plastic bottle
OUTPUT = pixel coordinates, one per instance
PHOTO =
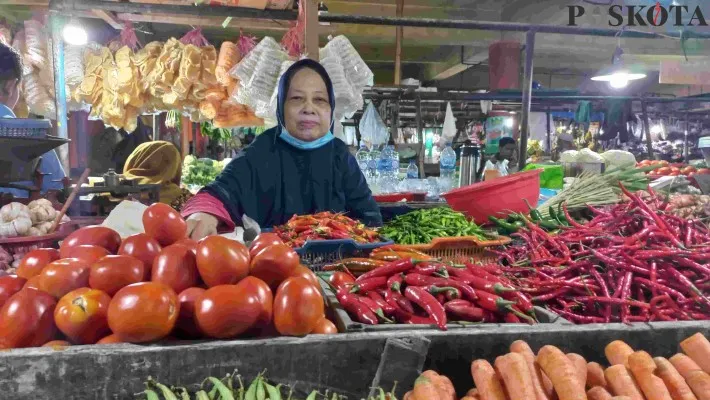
(412, 170)
(447, 168)
(363, 157)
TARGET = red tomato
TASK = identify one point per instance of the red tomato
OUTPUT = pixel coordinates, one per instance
(675, 169)
(703, 171)
(164, 224)
(645, 163)
(81, 315)
(97, 235)
(142, 247)
(34, 262)
(298, 307)
(112, 273)
(340, 279)
(9, 285)
(32, 283)
(663, 171)
(110, 339)
(57, 344)
(266, 297)
(62, 276)
(87, 252)
(325, 327)
(190, 243)
(662, 162)
(263, 241)
(305, 272)
(274, 264)
(674, 173)
(227, 311)
(692, 174)
(186, 323)
(143, 312)
(175, 267)
(688, 170)
(222, 261)
(27, 319)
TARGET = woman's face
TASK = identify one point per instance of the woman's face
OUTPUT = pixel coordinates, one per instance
(307, 109)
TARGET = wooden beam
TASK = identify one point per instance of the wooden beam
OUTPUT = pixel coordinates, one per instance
(108, 17)
(398, 46)
(311, 28)
(216, 22)
(29, 3)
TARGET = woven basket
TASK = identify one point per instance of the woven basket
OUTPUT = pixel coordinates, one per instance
(459, 249)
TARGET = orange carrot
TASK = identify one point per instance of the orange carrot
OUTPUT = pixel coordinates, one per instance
(595, 375)
(697, 347)
(684, 365)
(486, 380)
(580, 365)
(699, 381)
(675, 383)
(467, 397)
(407, 396)
(522, 348)
(424, 389)
(621, 383)
(621, 398)
(442, 383)
(618, 352)
(598, 393)
(516, 376)
(561, 372)
(472, 392)
(643, 368)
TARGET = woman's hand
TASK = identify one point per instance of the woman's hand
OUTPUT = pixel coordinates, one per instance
(200, 225)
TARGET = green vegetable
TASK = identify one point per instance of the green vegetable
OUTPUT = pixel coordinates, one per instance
(201, 171)
(421, 226)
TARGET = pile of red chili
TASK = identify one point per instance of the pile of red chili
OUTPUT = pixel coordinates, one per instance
(410, 291)
(324, 226)
(630, 263)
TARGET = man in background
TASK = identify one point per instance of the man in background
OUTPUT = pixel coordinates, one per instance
(10, 84)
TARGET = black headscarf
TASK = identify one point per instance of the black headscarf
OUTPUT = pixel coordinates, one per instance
(285, 83)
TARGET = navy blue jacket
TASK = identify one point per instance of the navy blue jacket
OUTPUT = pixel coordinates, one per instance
(271, 180)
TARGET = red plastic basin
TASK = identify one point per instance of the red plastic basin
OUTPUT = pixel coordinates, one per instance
(497, 197)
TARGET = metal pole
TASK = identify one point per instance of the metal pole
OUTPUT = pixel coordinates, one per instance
(686, 151)
(549, 130)
(527, 97)
(420, 135)
(647, 129)
(57, 23)
(498, 26)
(156, 127)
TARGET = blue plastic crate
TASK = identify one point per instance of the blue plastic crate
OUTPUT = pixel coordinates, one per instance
(318, 253)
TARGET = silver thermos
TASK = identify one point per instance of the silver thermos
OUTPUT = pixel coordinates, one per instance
(470, 163)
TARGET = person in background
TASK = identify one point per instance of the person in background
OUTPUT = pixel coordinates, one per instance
(156, 163)
(299, 167)
(504, 161)
(10, 84)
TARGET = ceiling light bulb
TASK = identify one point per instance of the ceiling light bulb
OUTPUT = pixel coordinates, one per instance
(509, 123)
(619, 81)
(75, 35)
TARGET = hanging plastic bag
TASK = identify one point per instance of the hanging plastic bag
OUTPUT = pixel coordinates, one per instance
(372, 128)
(294, 38)
(448, 132)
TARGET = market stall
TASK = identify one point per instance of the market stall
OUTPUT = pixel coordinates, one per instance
(498, 289)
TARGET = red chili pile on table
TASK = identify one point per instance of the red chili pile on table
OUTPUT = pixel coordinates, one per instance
(427, 292)
(631, 263)
(324, 226)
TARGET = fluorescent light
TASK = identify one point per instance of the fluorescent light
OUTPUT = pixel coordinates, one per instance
(656, 129)
(74, 34)
(509, 122)
(618, 76)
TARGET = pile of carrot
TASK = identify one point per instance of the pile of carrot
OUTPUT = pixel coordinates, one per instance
(554, 375)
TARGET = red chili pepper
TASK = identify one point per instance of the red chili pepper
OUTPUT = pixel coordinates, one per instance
(688, 284)
(511, 318)
(398, 299)
(395, 267)
(366, 285)
(576, 318)
(625, 291)
(426, 301)
(611, 300)
(429, 269)
(417, 320)
(464, 310)
(352, 304)
(462, 275)
(394, 283)
(381, 302)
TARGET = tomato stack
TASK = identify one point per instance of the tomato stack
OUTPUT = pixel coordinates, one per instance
(97, 288)
(664, 168)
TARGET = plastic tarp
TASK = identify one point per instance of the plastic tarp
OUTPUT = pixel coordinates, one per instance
(372, 129)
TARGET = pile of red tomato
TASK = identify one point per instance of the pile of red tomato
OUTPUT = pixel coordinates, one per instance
(97, 288)
(664, 168)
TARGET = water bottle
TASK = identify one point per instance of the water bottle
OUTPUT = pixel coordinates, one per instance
(372, 163)
(363, 156)
(412, 170)
(395, 163)
(447, 167)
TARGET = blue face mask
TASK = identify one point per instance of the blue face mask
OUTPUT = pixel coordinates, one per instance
(303, 145)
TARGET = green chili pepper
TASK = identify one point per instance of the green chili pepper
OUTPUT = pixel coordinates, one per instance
(509, 228)
(548, 225)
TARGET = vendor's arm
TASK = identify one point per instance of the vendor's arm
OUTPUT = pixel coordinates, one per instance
(358, 198)
(198, 210)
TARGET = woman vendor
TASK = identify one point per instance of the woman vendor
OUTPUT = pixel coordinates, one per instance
(299, 167)
(156, 163)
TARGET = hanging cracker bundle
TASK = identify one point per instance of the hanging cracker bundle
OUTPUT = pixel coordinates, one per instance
(229, 56)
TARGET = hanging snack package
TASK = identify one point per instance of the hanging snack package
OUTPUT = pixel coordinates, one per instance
(229, 56)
